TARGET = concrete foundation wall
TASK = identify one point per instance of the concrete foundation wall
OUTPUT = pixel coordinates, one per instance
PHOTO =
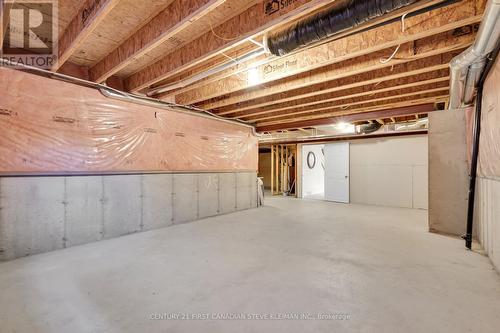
(41, 214)
(448, 172)
(487, 217)
(390, 171)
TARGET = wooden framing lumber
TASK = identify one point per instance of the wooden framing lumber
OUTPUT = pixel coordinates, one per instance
(276, 169)
(370, 62)
(265, 59)
(70, 69)
(361, 91)
(418, 27)
(391, 112)
(386, 77)
(334, 112)
(86, 20)
(272, 171)
(176, 17)
(348, 103)
(235, 31)
(5, 14)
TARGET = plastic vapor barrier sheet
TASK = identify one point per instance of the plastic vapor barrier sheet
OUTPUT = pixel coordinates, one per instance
(489, 145)
(50, 126)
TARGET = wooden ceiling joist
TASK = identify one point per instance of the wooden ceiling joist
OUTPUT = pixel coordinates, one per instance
(390, 112)
(5, 7)
(234, 31)
(421, 69)
(363, 108)
(176, 17)
(81, 26)
(356, 92)
(348, 106)
(355, 66)
(350, 102)
(418, 27)
(266, 59)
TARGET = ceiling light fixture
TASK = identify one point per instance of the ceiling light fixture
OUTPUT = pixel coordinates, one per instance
(253, 77)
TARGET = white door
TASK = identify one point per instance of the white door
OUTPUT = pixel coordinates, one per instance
(313, 173)
(337, 172)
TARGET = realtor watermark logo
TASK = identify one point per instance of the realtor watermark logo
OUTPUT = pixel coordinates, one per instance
(29, 32)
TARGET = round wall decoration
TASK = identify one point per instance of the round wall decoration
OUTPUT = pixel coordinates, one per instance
(311, 160)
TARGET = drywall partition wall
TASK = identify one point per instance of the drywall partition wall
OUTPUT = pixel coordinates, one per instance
(337, 165)
(487, 211)
(448, 172)
(313, 172)
(51, 126)
(390, 171)
(41, 214)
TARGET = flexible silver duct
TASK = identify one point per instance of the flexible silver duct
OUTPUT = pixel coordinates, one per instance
(466, 68)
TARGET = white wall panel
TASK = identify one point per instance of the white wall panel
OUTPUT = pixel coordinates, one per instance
(390, 171)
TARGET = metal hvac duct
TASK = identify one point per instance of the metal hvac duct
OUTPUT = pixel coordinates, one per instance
(368, 128)
(329, 23)
(466, 68)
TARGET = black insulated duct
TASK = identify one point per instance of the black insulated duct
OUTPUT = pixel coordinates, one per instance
(368, 128)
(330, 22)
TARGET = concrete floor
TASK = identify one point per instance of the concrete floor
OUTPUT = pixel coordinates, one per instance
(378, 265)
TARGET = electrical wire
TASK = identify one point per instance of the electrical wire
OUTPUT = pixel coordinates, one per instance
(403, 28)
(220, 37)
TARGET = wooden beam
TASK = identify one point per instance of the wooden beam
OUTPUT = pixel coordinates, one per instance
(265, 59)
(4, 17)
(272, 172)
(407, 53)
(282, 169)
(73, 70)
(176, 17)
(224, 58)
(348, 137)
(419, 27)
(367, 90)
(390, 112)
(276, 169)
(420, 69)
(115, 82)
(362, 109)
(348, 103)
(86, 20)
(235, 31)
